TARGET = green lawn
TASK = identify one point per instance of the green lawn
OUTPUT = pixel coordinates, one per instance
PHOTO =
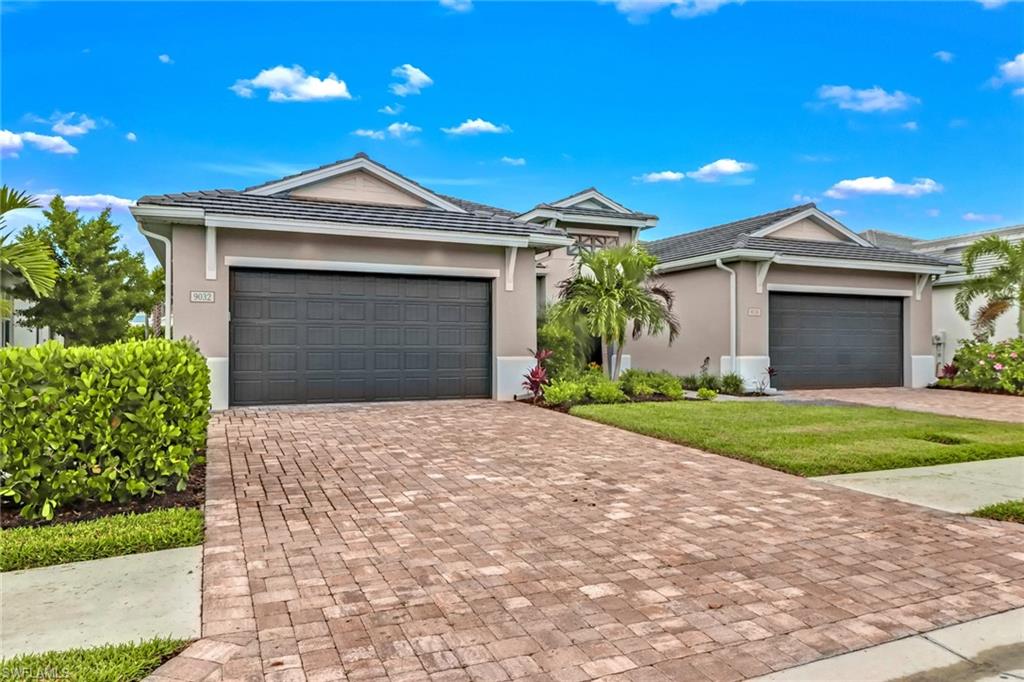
(810, 440)
(113, 663)
(1003, 511)
(35, 546)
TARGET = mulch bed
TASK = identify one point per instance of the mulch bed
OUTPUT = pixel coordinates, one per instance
(564, 409)
(975, 389)
(194, 495)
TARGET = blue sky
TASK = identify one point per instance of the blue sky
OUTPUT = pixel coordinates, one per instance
(907, 117)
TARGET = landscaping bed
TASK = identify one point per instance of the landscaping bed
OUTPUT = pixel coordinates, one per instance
(810, 440)
(120, 662)
(985, 367)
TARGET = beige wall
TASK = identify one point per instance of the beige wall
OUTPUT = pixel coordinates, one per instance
(360, 188)
(514, 311)
(807, 229)
(702, 306)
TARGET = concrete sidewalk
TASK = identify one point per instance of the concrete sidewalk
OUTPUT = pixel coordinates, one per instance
(106, 601)
(990, 648)
(960, 488)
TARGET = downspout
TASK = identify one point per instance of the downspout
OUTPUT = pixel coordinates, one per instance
(732, 312)
(167, 277)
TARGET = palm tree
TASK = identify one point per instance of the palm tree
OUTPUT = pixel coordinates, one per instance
(26, 257)
(1001, 286)
(613, 289)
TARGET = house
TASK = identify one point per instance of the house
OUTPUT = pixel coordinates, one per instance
(352, 282)
(948, 327)
(798, 291)
(13, 332)
(349, 282)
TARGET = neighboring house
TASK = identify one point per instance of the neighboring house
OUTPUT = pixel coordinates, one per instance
(352, 282)
(796, 290)
(349, 282)
(14, 333)
(948, 327)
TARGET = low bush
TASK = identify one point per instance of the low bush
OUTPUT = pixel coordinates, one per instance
(99, 423)
(732, 384)
(605, 391)
(570, 346)
(986, 366)
(691, 382)
(564, 392)
(712, 382)
(641, 383)
(706, 394)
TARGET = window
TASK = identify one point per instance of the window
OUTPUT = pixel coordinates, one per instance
(591, 243)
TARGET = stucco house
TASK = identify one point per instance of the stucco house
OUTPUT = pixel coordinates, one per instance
(352, 282)
(948, 327)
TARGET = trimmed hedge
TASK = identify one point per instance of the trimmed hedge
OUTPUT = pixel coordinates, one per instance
(99, 423)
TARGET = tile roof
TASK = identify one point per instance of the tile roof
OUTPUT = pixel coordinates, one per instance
(736, 235)
(583, 212)
(235, 202)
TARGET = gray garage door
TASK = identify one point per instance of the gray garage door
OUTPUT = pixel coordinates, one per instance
(825, 341)
(307, 337)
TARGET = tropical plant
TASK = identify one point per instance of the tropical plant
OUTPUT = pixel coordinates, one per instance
(706, 394)
(568, 340)
(1001, 286)
(535, 380)
(614, 289)
(25, 257)
(564, 392)
(732, 384)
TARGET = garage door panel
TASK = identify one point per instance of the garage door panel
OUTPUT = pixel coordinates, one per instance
(314, 337)
(826, 341)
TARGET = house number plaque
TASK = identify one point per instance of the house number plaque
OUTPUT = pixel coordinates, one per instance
(200, 296)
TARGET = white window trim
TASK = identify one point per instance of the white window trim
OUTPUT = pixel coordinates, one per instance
(359, 266)
(357, 164)
(817, 213)
(850, 291)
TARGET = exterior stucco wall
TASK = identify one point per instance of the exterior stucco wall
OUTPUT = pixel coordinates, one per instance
(806, 229)
(946, 320)
(557, 266)
(702, 306)
(513, 312)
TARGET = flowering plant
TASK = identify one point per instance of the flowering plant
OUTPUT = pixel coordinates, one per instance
(987, 366)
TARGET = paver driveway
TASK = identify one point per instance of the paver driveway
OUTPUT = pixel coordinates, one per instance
(1005, 408)
(486, 541)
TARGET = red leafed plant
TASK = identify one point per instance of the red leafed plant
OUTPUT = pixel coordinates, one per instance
(949, 371)
(535, 380)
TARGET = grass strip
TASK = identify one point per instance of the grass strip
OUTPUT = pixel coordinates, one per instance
(36, 546)
(110, 663)
(1012, 510)
(812, 440)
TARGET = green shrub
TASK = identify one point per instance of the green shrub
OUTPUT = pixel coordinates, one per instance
(564, 392)
(99, 423)
(570, 344)
(605, 391)
(135, 332)
(691, 382)
(644, 383)
(710, 382)
(989, 366)
(732, 384)
(706, 394)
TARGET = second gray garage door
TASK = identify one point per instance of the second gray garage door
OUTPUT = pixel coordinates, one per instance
(307, 337)
(826, 341)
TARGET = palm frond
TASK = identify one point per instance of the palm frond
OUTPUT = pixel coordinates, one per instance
(13, 200)
(984, 322)
(33, 260)
(991, 245)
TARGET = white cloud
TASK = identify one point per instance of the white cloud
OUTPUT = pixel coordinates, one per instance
(90, 202)
(292, 85)
(10, 144)
(933, 213)
(944, 56)
(457, 5)
(402, 129)
(131, 137)
(867, 100)
(837, 213)
(845, 189)
(973, 217)
(661, 176)
(638, 11)
(804, 198)
(816, 158)
(65, 124)
(366, 132)
(476, 126)
(1010, 72)
(909, 125)
(716, 170)
(391, 110)
(165, 59)
(413, 80)
(513, 160)
(992, 4)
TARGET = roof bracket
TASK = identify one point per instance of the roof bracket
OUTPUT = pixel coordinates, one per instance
(762, 272)
(510, 267)
(919, 283)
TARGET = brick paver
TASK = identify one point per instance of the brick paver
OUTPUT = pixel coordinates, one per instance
(1006, 408)
(492, 541)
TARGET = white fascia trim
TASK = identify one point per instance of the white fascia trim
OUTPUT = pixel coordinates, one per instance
(547, 214)
(853, 264)
(355, 266)
(595, 195)
(211, 252)
(349, 166)
(178, 214)
(820, 215)
(851, 291)
(710, 258)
